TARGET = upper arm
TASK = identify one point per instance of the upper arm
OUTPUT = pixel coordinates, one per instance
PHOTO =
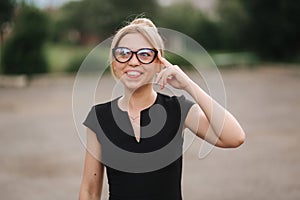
(194, 118)
(93, 169)
(198, 123)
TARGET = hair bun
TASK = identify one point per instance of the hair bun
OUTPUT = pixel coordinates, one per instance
(143, 21)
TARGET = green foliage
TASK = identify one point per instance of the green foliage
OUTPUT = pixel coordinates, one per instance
(269, 28)
(92, 64)
(6, 10)
(265, 28)
(273, 28)
(60, 55)
(75, 63)
(101, 17)
(208, 34)
(231, 24)
(185, 18)
(24, 52)
(182, 17)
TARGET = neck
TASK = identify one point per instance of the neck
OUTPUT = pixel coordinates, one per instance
(139, 99)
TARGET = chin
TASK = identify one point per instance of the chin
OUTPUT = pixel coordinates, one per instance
(132, 86)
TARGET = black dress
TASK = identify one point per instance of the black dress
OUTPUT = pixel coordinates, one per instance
(150, 169)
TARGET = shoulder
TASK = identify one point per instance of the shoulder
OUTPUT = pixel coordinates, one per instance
(176, 104)
(167, 98)
(173, 99)
(104, 107)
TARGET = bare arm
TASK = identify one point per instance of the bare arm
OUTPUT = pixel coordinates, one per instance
(92, 180)
(207, 119)
(211, 122)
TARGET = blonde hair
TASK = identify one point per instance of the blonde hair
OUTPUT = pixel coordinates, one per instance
(146, 28)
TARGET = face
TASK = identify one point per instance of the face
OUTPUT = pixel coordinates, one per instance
(134, 73)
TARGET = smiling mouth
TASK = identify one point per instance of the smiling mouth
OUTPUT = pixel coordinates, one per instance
(134, 74)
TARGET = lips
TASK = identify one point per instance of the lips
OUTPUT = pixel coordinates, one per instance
(133, 73)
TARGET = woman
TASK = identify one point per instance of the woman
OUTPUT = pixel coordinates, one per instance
(136, 59)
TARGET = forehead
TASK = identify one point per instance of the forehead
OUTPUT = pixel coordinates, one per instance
(134, 41)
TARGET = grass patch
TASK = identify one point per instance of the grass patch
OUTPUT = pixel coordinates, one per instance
(235, 59)
(60, 55)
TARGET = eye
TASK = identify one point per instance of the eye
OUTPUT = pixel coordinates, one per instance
(123, 52)
(146, 53)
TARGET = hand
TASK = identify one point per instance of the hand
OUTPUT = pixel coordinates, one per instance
(171, 74)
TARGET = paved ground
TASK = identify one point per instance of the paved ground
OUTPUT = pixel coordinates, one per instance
(41, 156)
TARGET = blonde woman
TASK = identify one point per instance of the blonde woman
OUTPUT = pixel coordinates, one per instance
(144, 161)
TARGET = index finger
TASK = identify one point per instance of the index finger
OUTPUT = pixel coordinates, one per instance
(164, 61)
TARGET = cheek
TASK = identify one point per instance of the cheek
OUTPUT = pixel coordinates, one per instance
(158, 66)
(153, 69)
(118, 68)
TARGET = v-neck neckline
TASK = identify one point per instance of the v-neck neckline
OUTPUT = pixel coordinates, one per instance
(140, 121)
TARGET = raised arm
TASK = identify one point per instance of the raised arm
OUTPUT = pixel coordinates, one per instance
(207, 119)
(92, 180)
(211, 122)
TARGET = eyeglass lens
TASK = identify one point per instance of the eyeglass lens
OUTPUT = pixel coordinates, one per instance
(145, 55)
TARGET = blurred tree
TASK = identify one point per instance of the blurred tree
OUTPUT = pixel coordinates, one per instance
(6, 12)
(232, 21)
(207, 33)
(273, 28)
(23, 52)
(101, 17)
(184, 17)
(62, 22)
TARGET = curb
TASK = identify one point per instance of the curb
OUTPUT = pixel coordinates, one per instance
(13, 81)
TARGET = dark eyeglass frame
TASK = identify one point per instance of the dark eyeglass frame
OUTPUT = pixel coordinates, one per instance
(136, 54)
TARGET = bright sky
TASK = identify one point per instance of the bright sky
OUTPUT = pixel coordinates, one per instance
(48, 3)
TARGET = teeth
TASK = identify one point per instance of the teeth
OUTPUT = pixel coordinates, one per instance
(133, 73)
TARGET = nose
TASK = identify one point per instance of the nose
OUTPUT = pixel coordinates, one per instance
(134, 61)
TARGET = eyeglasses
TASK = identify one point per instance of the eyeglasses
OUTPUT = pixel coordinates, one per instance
(144, 55)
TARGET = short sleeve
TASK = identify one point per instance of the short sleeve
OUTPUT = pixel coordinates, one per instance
(91, 120)
(185, 105)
